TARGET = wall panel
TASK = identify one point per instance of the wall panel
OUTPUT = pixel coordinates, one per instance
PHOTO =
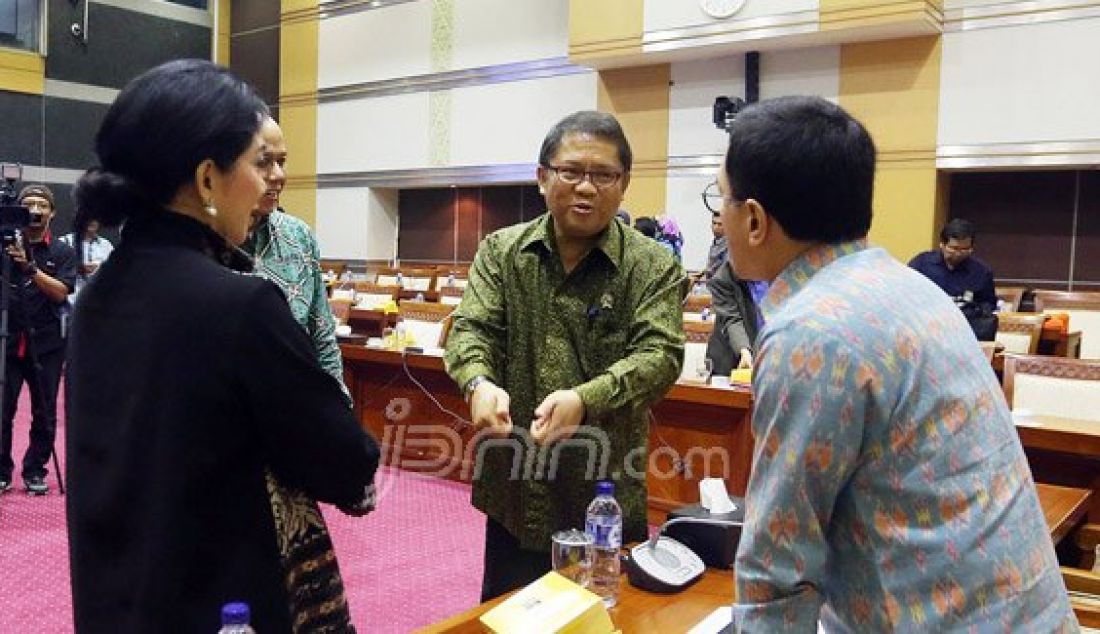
(1028, 83)
(1024, 221)
(357, 223)
(1086, 268)
(385, 43)
(506, 123)
(491, 32)
(385, 133)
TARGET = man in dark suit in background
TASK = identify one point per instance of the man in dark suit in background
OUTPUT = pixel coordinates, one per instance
(966, 279)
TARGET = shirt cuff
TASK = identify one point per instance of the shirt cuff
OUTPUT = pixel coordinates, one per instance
(596, 395)
(463, 375)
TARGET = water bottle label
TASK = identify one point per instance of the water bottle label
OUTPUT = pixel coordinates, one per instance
(605, 534)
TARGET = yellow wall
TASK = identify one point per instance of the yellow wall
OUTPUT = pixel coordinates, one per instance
(298, 105)
(22, 71)
(893, 88)
(603, 28)
(224, 32)
(639, 98)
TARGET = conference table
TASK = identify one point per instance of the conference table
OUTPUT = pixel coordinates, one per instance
(410, 404)
(1063, 451)
(642, 612)
(414, 409)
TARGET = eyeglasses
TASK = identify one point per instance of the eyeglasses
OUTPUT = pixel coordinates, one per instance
(958, 249)
(37, 204)
(714, 200)
(574, 175)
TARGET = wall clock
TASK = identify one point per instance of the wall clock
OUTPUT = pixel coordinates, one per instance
(721, 9)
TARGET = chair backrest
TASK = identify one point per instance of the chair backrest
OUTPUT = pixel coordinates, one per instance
(1011, 295)
(696, 335)
(369, 295)
(696, 303)
(1053, 386)
(1083, 309)
(341, 309)
(429, 322)
(989, 348)
(443, 279)
(450, 295)
(1019, 332)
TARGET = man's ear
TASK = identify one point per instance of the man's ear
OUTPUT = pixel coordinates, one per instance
(760, 223)
(543, 176)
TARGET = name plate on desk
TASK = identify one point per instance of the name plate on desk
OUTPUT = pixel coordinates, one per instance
(550, 605)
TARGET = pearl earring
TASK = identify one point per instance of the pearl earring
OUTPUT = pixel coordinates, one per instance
(210, 209)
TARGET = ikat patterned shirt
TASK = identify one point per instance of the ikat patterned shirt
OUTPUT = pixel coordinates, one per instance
(611, 329)
(286, 253)
(889, 490)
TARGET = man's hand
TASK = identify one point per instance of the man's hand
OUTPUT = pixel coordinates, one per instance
(745, 362)
(557, 417)
(18, 256)
(489, 408)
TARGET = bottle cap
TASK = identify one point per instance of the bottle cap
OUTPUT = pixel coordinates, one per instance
(236, 613)
(605, 487)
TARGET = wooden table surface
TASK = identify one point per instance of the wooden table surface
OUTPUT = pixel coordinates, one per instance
(1068, 435)
(637, 611)
(1063, 508)
(642, 612)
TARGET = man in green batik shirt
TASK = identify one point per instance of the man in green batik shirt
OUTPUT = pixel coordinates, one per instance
(569, 329)
(286, 253)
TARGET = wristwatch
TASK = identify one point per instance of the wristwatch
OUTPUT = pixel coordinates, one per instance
(472, 384)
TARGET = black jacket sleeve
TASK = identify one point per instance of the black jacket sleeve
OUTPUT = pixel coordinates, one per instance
(312, 438)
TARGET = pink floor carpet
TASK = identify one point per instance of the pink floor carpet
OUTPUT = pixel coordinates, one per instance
(414, 561)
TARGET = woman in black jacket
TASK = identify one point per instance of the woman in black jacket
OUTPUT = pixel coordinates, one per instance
(188, 381)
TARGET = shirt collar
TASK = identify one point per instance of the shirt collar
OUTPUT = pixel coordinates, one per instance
(610, 241)
(798, 273)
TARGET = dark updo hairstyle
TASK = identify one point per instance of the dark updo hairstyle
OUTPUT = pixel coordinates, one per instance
(160, 128)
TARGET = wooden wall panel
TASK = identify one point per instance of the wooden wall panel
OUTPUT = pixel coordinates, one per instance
(1024, 221)
(1086, 266)
(448, 224)
(468, 211)
(427, 228)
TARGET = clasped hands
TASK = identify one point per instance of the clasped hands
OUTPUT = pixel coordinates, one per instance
(556, 418)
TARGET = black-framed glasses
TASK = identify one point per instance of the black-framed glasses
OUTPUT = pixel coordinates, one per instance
(569, 175)
(713, 198)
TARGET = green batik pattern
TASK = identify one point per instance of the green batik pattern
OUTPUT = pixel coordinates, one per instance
(286, 253)
(612, 330)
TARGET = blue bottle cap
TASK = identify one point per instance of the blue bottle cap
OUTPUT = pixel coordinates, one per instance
(605, 487)
(236, 613)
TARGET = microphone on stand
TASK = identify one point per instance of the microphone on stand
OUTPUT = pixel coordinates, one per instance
(664, 564)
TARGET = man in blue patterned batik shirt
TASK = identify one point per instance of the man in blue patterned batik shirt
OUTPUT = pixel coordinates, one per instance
(889, 490)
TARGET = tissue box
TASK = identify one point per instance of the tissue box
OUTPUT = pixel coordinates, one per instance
(550, 605)
(715, 545)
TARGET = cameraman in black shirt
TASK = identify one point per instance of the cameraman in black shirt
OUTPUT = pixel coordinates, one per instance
(43, 273)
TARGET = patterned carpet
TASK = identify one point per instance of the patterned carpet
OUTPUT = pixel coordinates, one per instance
(414, 561)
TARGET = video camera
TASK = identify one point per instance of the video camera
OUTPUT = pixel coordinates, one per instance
(13, 216)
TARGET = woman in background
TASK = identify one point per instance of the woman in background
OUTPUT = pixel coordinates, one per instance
(188, 382)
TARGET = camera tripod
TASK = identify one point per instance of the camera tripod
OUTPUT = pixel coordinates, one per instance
(35, 374)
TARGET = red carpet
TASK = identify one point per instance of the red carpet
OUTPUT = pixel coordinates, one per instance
(414, 561)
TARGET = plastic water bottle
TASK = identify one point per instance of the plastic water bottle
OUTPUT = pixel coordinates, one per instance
(420, 297)
(705, 313)
(604, 522)
(451, 280)
(399, 279)
(235, 619)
